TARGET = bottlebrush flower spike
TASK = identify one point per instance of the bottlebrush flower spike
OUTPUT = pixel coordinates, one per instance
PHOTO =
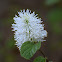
(27, 27)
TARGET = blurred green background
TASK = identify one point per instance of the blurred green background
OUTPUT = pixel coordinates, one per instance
(51, 13)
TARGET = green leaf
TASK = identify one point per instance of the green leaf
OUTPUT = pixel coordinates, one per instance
(51, 2)
(55, 19)
(40, 59)
(55, 15)
(10, 43)
(28, 49)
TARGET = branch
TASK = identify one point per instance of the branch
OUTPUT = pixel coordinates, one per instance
(44, 55)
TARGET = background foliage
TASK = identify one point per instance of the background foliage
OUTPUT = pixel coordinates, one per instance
(51, 13)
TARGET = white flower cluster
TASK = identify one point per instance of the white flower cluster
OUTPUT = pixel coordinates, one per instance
(28, 27)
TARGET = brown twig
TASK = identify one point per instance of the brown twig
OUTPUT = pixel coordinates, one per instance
(44, 55)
